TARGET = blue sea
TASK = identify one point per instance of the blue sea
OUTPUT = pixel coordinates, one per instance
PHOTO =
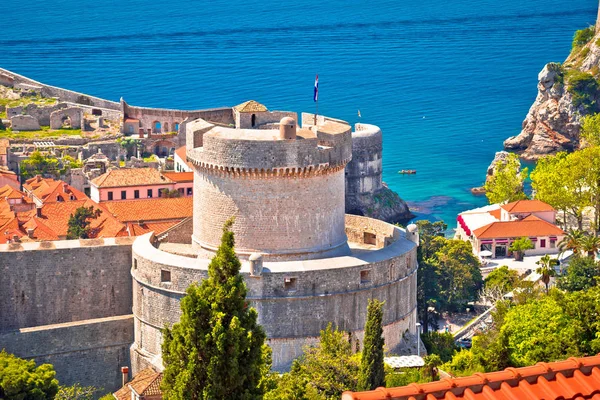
(447, 81)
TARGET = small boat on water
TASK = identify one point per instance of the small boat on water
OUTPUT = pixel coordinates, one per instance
(407, 171)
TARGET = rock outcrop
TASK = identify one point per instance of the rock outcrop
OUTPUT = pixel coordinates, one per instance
(500, 157)
(384, 204)
(553, 123)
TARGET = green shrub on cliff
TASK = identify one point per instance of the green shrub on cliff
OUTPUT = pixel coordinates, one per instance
(584, 88)
(583, 36)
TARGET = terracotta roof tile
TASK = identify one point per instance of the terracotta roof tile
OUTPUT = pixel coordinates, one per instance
(180, 176)
(55, 216)
(9, 174)
(495, 213)
(136, 229)
(150, 210)
(7, 192)
(530, 226)
(250, 106)
(50, 190)
(525, 206)
(575, 378)
(146, 383)
(130, 177)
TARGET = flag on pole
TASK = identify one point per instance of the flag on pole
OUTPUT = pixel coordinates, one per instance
(358, 113)
(316, 95)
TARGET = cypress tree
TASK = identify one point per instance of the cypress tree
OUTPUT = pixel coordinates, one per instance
(372, 374)
(217, 349)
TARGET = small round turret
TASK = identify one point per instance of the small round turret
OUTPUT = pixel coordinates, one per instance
(287, 128)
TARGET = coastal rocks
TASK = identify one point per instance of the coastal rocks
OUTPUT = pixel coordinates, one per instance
(500, 157)
(553, 122)
(384, 204)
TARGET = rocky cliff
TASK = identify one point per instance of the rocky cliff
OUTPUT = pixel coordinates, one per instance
(566, 93)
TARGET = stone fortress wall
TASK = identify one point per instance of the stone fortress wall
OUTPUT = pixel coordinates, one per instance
(294, 299)
(285, 187)
(69, 303)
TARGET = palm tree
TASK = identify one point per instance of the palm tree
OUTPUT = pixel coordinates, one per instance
(571, 241)
(546, 269)
(590, 244)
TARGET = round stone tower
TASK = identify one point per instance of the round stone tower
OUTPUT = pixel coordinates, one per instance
(285, 191)
(363, 174)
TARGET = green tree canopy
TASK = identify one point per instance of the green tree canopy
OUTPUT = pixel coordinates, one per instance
(506, 184)
(323, 372)
(502, 278)
(440, 343)
(582, 274)
(22, 380)
(79, 222)
(217, 349)
(371, 374)
(546, 269)
(77, 392)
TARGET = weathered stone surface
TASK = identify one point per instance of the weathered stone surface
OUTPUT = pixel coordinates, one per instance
(553, 122)
(24, 123)
(73, 114)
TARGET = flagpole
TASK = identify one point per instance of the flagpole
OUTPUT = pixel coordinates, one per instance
(316, 98)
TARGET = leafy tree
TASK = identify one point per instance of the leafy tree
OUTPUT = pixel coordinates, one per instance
(582, 274)
(217, 349)
(539, 331)
(440, 343)
(464, 363)
(583, 88)
(129, 144)
(431, 238)
(571, 241)
(324, 371)
(39, 164)
(22, 380)
(546, 269)
(519, 246)
(371, 374)
(590, 245)
(590, 129)
(79, 224)
(506, 184)
(459, 276)
(432, 361)
(502, 278)
(583, 307)
(76, 392)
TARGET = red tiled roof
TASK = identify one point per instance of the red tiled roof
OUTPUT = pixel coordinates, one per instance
(572, 379)
(530, 226)
(136, 229)
(55, 216)
(48, 190)
(159, 209)
(130, 177)
(181, 153)
(7, 192)
(146, 383)
(9, 174)
(525, 206)
(180, 176)
(496, 213)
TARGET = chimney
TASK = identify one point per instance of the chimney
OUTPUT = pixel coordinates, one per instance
(65, 188)
(141, 222)
(38, 212)
(125, 372)
(15, 238)
(30, 233)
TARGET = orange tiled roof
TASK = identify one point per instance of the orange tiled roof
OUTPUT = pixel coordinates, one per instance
(136, 229)
(130, 177)
(181, 153)
(146, 383)
(250, 106)
(7, 192)
(524, 206)
(572, 379)
(49, 190)
(530, 226)
(159, 209)
(495, 213)
(55, 216)
(8, 174)
(180, 176)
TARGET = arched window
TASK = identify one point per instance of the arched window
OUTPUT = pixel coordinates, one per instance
(176, 127)
(157, 127)
(253, 121)
(166, 127)
(130, 128)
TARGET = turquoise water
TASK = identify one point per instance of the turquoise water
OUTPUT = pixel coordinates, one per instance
(446, 81)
